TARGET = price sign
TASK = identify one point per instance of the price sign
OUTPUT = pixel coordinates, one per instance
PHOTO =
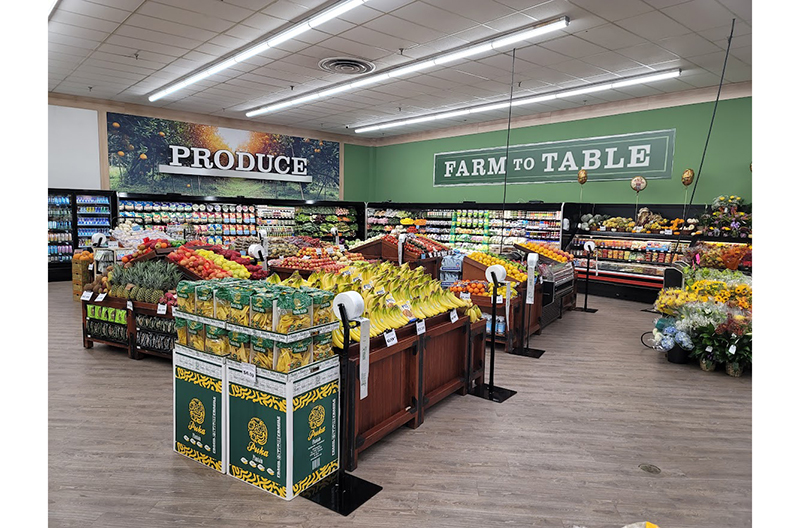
(329, 250)
(101, 297)
(465, 296)
(363, 354)
(306, 257)
(172, 309)
(91, 267)
(498, 299)
(113, 244)
(162, 309)
(249, 372)
(391, 337)
(420, 326)
(709, 349)
(341, 247)
(732, 349)
(130, 305)
(453, 315)
(318, 251)
(86, 296)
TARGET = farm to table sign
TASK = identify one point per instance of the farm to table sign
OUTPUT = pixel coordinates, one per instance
(606, 158)
(152, 155)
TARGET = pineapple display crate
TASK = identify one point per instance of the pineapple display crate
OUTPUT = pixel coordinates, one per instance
(407, 378)
(370, 250)
(283, 429)
(129, 343)
(200, 415)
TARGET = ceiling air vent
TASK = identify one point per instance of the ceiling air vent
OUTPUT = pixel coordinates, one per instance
(346, 65)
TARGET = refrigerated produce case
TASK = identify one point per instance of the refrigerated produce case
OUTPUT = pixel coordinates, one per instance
(74, 215)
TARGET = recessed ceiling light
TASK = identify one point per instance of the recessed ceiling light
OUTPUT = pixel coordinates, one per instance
(470, 50)
(292, 32)
(639, 79)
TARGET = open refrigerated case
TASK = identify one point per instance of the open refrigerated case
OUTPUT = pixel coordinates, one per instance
(74, 215)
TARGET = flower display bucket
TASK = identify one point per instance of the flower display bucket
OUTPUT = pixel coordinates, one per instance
(734, 369)
(677, 355)
(708, 366)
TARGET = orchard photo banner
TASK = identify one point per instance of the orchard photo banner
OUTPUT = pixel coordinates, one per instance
(151, 155)
(606, 158)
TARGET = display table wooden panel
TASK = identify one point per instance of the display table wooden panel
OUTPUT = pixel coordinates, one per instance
(401, 378)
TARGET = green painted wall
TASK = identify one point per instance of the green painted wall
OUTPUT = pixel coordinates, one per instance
(404, 173)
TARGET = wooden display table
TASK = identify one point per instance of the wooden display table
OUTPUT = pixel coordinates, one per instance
(407, 378)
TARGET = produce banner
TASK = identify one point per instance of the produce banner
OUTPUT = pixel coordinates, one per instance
(606, 158)
(150, 155)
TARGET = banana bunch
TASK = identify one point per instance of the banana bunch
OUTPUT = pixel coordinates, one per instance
(474, 313)
(294, 281)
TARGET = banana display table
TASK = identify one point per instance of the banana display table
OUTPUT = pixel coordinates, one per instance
(405, 379)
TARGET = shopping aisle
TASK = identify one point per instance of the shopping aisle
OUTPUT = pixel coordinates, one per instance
(564, 451)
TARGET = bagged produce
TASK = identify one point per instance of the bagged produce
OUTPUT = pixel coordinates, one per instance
(197, 335)
(216, 340)
(261, 310)
(262, 352)
(293, 312)
(204, 299)
(323, 346)
(293, 355)
(239, 346)
(181, 329)
(240, 305)
(323, 307)
(222, 303)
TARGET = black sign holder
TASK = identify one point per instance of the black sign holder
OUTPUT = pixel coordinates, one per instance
(340, 491)
(586, 287)
(490, 391)
(523, 349)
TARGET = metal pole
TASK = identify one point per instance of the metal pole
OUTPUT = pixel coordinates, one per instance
(494, 329)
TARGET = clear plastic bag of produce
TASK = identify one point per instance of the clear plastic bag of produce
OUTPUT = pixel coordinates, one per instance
(294, 312)
(293, 355)
(181, 328)
(197, 335)
(222, 303)
(240, 305)
(323, 307)
(216, 340)
(262, 352)
(261, 304)
(239, 346)
(204, 299)
(323, 346)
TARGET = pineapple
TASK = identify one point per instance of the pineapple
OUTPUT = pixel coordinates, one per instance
(133, 294)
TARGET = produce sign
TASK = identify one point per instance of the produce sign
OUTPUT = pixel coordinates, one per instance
(162, 156)
(607, 158)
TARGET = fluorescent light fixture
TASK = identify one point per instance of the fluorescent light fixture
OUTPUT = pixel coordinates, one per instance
(423, 64)
(640, 79)
(292, 32)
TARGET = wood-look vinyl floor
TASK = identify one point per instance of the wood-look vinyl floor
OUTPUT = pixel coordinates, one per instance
(563, 452)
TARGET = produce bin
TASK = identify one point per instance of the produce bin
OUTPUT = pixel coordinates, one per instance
(199, 413)
(283, 428)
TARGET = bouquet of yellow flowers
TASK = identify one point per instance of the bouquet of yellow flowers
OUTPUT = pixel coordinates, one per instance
(671, 299)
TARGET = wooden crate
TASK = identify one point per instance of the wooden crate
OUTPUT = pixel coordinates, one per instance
(532, 314)
(370, 250)
(403, 381)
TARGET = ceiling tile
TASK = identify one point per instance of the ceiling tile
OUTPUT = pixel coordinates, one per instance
(83, 21)
(572, 46)
(55, 38)
(170, 27)
(578, 69)
(157, 36)
(611, 37)
(611, 61)
(654, 25)
(400, 28)
(741, 8)
(540, 56)
(511, 22)
(660, 4)
(688, 45)
(616, 10)
(433, 17)
(137, 44)
(724, 31)
(190, 18)
(699, 14)
(211, 8)
(91, 9)
(648, 53)
(347, 47)
(477, 10)
(286, 10)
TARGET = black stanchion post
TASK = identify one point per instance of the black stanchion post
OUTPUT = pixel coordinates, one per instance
(523, 349)
(342, 492)
(588, 247)
(490, 391)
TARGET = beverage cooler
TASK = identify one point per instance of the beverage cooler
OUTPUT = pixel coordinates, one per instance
(73, 216)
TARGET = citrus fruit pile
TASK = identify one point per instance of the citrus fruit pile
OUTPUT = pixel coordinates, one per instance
(471, 287)
(513, 273)
(548, 251)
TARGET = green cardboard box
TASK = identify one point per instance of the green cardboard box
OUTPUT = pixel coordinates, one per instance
(283, 428)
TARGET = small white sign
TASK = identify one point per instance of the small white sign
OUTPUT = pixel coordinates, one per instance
(465, 296)
(499, 299)
(130, 305)
(91, 267)
(87, 295)
(453, 315)
(363, 362)
(162, 309)
(100, 297)
(318, 251)
(249, 372)
(732, 349)
(341, 247)
(113, 244)
(391, 337)
(709, 349)
(420, 326)
(329, 250)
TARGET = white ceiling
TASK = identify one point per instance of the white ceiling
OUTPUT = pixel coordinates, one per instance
(95, 43)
